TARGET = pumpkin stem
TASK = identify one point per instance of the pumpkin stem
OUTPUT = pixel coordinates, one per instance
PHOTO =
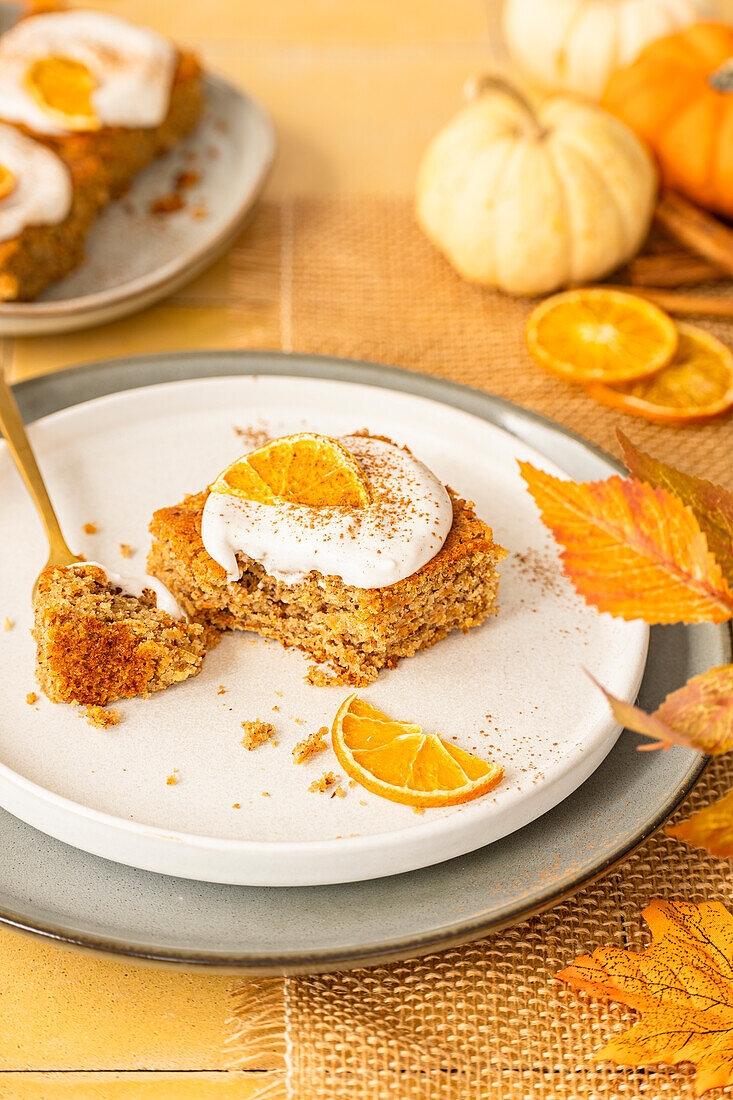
(721, 80)
(476, 86)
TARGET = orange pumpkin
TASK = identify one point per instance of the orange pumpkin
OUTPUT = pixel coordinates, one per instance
(678, 96)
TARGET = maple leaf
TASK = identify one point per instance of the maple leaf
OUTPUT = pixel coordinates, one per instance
(631, 549)
(712, 504)
(682, 984)
(711, 828)
(698, 715)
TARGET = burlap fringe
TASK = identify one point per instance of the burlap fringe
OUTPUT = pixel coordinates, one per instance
(256, 1028)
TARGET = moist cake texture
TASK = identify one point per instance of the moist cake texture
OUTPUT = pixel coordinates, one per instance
(96, 644)
(353, 632)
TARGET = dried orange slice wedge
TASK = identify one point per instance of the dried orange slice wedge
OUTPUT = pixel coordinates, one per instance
(305, 469)
(7, 182)
(63, 88)
(696, 385)
(600, 334)
(398, 761)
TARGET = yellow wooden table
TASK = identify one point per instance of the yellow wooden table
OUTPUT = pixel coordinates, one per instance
(339, 79)
(356, 88)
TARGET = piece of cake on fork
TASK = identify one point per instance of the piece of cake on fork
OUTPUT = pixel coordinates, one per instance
(97, 642)
(350, 549)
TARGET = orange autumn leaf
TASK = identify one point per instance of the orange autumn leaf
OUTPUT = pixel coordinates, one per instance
(698, 715)
(682, 986)
(711, 828)
(631, 549)
(712, 504)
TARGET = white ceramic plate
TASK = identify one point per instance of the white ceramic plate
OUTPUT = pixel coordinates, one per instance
(514, 689)
(133, 256)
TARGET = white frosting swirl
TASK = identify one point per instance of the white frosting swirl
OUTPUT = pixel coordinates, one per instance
(133, 68)
(403, 528)
(42, 190)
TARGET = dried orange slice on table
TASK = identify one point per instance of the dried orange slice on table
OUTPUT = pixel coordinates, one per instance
(398, 761)
(600, 334)
(696, 385)
(308, 469)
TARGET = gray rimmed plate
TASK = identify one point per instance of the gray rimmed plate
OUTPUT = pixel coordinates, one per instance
(133, 256)
(59, 892)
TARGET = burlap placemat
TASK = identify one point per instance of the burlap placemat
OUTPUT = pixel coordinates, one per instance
(356, 278)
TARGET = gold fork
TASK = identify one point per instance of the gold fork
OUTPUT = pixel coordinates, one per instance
(17, 440)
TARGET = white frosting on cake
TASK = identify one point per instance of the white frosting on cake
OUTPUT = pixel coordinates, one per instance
(133, 68)
(134, 586)
(41, 193)
(403, 527)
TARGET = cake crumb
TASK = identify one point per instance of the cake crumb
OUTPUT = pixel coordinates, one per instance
(256, 733)
(126, 550)
(265, 794)
(9, 624)
(167, 204)
(31, 698)
(221, 690)
(89, 528)
(309, 746)
(186, 179)
(317, 677)
(327, 780)
(352, 782)
(236, 806)
(172, 779)
(100, 718)
(339, 792)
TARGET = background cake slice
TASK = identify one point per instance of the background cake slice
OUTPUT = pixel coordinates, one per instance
(95, 643)
(47, 205)
(101, 97)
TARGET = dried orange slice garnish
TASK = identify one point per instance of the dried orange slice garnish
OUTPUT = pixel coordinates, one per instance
(298, 469)
(600, 334)
(63, 88)
(696, 385)
(398, 761)
(7, 182)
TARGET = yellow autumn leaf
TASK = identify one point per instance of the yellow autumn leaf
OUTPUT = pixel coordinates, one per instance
(698, 715)
(711, 503)
(681, 985)
(631, 549)
(710, 828)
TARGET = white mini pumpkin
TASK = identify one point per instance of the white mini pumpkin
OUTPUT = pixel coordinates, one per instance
(530, 201)
(575, 45)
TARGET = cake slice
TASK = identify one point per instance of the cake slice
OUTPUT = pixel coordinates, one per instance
(95, 643)
(92, 83)
(354, 630)
(103, 98)
(47, 205)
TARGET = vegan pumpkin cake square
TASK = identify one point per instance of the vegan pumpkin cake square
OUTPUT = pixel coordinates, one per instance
(351, 550)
